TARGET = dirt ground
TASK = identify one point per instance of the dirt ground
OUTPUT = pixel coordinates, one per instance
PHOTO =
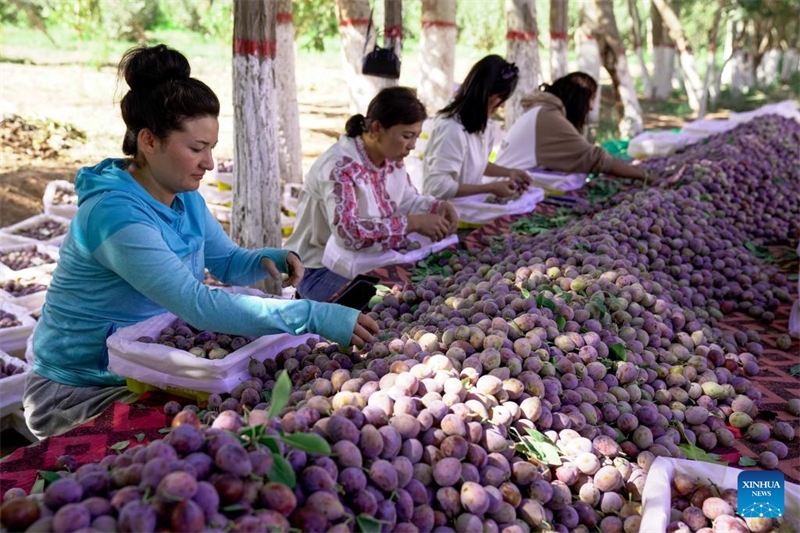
(58, 85)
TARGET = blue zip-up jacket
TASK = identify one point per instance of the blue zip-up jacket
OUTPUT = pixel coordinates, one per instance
(128, 257)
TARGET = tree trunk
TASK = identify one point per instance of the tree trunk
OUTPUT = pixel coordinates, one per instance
(255, 214)
(353, 17)
(711, 72)
(663, 56)
(691, 79)
(437, 47)
(393, 26)
(559, 46)
(289, 150)
(589, 60)
(769, 67)
(522, 40)
(791, 57)
(612, 53)
(638, 47)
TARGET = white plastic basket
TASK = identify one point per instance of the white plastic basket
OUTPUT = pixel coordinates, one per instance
(10, 240)
(166, 367)
(63, 210)
(475, 210)
(14, 338)
(661, 143)
(6, 272)
(556, 181)
(33, 222)
(351, 263)
(708, 127)
(213, 195)
(291, 192)
(13, 387)
(30, 302)
(656, 495)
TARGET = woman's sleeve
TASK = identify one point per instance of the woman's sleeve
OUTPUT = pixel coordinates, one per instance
(235, 265)
(443, 160)
(348, 227)
(138, 254)
(560, 147)
(411, 202)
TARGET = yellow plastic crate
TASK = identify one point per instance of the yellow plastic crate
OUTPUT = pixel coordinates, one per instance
(140, 388)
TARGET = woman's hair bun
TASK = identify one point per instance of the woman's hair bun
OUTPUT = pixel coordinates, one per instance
(147, 67)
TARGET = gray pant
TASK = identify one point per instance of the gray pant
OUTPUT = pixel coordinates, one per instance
(51, 408)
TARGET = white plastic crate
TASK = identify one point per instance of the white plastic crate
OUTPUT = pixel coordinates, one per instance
(12, 387)
(10, 240)
(14, 338)
(30, 302)
(6, 272)
(32, 222)
(171, 368)
(63, 210)
(213, 195)
(656, 495)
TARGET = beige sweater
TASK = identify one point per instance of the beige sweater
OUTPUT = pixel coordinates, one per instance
(543, 137)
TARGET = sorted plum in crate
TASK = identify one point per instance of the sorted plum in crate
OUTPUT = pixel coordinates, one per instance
(23, 258)
(44, 230)
(18, 288)
(205, 344)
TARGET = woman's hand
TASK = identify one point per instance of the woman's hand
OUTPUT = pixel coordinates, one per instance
(449, 213)
(435, 227)
(364, 331)
(296, 270)
(520, 178)
(503, 188)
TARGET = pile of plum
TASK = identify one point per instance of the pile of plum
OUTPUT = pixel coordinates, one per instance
(8, 320)
(25, 258)
(19, 288)
(531, 390)
(205, 344)
(63, 196)
(10, 369)
(43, 230)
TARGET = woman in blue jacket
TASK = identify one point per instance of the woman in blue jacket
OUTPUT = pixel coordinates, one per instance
(139, 245)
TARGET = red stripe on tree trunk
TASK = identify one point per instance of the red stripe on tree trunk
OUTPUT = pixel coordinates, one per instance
(438, 24)
(246, 47)
(522, 35)
(353, 22)
(394, 32)
(284, 17)
(558, 35)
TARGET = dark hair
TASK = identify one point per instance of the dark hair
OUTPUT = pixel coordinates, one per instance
(162, 94)
(576, 91)
(391, 106)
(490, 76)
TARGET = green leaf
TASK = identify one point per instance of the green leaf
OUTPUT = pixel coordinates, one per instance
(375, 300)
(49, 477)
(164, 430)
(617, 352)
(542, 447)
(270, 441)
(367, 524)
(698, 454)
(307, 442)
(747, 461)
(548, 303)
(38, 487)
(568, 297)
(794, 370)
(280, 394)
(561, 322)
(121, 445)
(525, 293)
(422, 264)
(282, 472)
(139, 437)
(600, 304)
(382, 288)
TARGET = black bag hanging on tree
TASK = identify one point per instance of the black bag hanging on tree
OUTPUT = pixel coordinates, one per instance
(381, 62)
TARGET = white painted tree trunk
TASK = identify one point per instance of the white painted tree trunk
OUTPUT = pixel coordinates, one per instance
(559, 45)
(769, 69)
(290, 152)
(691, 79)
(522, 40)
(612, 53)
(638, 47)
(791, 64)
(393, 27)
(663, 56)
(588, 54)
(711, 70)
(255, 213)
(353, 17)
(437, 49)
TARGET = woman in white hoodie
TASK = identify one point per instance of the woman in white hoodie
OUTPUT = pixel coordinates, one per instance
(549, 135)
